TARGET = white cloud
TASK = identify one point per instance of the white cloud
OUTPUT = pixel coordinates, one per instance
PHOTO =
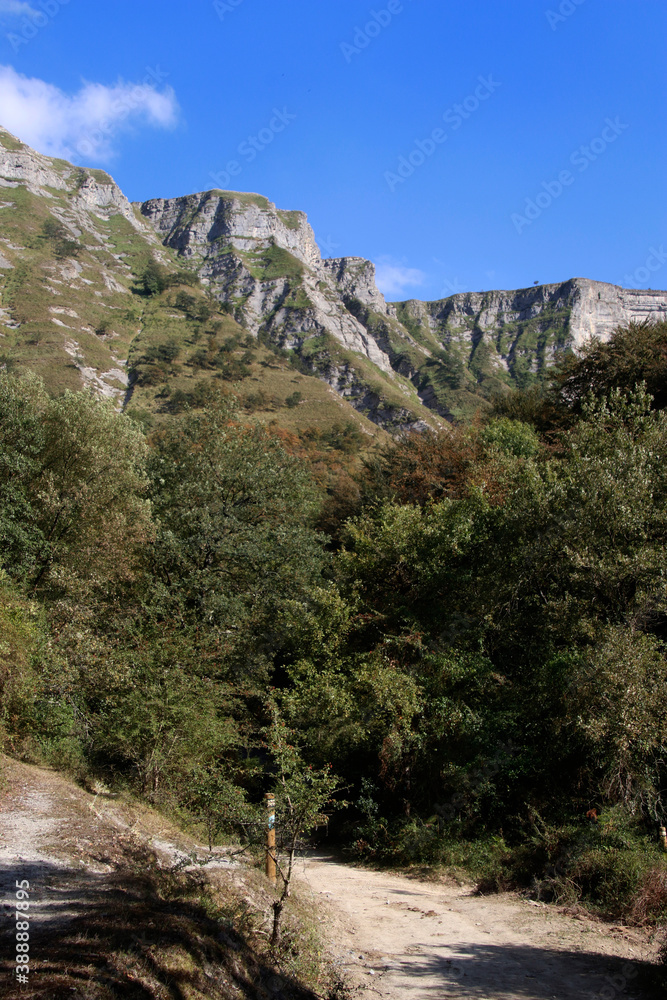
(392, 277)
(83, 126)
(16, 8)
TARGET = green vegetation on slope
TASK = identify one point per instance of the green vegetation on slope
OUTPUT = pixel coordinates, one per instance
(479, 655)
(469, 365)
(105, 308)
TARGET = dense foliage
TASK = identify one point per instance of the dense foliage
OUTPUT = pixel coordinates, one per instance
(479, 653)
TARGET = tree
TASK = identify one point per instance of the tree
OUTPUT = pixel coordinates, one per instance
(634, 354)
(22, 638)
(620, 705)
(154, 719)
(215, 798)
(73, 507)
(234, 541)
(22, 405)
(59, 238)
(491, 601)
(154, 278)
(304, 801)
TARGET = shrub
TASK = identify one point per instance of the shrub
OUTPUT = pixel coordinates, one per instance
(58, 236)
(650, 902)
(154, 278)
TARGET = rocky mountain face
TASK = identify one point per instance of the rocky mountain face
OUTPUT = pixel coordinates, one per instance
(72, 254)
(91, 191)
(452, 353)
(235, 242)
(266, 266)
(397, 365)
(512, 337)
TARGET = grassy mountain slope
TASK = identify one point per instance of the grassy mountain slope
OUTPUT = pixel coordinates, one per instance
(250, 305)
(73, 310)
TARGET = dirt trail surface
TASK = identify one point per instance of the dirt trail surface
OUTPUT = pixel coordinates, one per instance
(63, 841)
(397, 937)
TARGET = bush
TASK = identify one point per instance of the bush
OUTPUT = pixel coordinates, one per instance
(193, 308)
(58, 236)
(650, 903)
(154, 278)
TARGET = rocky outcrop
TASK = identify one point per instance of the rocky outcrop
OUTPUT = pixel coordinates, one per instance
(589, 309)
(92, 191)
(290, 299)
(197, 225)
(354, 277)
(598, 309)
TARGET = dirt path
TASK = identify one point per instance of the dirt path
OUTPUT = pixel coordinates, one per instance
(99, 926)
(391, 936)
(401, 938)
(59, 838)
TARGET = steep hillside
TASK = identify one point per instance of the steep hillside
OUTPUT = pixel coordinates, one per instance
(245, 300)
(486, 341)
(264, 264)
(455, 355)
(74, 308)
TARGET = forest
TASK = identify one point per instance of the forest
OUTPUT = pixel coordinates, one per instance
(461, 637)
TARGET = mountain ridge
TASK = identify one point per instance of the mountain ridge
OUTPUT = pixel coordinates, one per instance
(399, 365)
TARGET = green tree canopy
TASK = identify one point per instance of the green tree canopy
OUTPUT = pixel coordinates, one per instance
(234, 541)
(73, 507)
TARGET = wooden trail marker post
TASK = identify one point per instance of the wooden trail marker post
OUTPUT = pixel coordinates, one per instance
(270, 836)
(663, 838)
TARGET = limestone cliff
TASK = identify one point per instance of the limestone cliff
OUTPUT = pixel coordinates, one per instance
(398, 364)
(235, 241)
(265, 263)
(486, 340)
(90, 190)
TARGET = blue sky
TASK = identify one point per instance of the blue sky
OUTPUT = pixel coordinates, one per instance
(461, 146)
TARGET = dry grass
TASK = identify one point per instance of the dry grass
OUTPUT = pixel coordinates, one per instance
(650, 903)
(141, 932)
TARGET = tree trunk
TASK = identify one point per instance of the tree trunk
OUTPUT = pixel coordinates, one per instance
(277, 914)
